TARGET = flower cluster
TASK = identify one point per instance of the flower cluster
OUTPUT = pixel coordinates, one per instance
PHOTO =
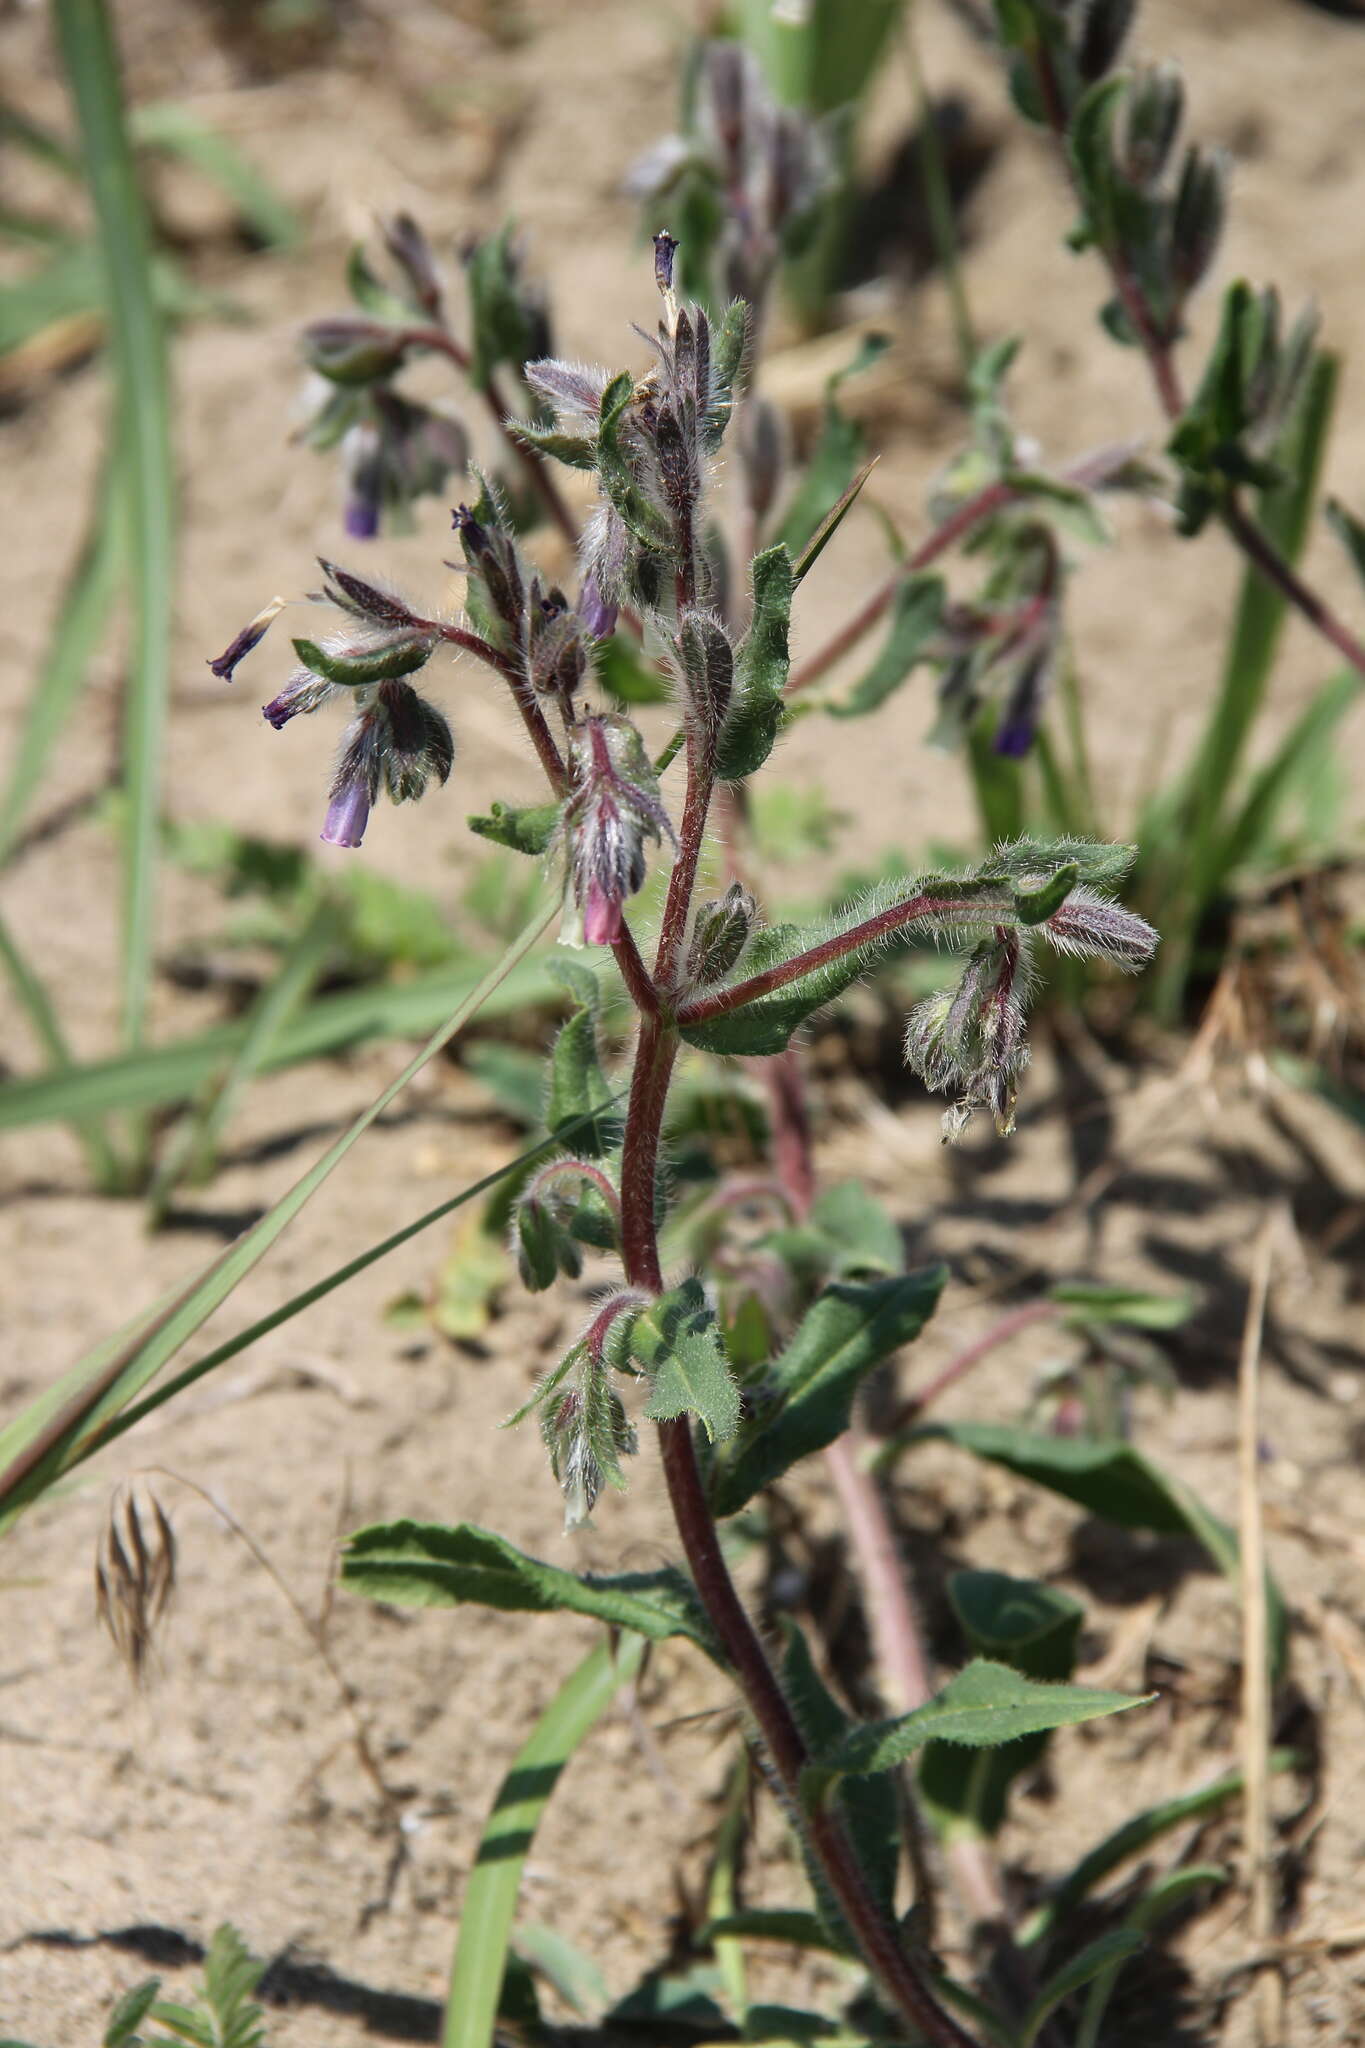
(612, 807)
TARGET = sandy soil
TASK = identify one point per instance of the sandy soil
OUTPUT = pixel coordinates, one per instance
(230, 1787)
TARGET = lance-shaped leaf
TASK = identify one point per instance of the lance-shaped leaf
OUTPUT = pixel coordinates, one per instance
(850, 1328)
(915, 618)
(985, 1705)
(873, 1820)
(1031, 1627)
(578, 451)
(429, 1564)
(678, 1342)
(1115, 1481)
(824, 533)
(756, 707)
(579, 1088)
(528, 829)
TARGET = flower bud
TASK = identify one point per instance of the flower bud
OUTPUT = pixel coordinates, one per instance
(970, 1040)
(418, 743)
(1151, 120)
(411, 251)
(1197, 223)
(303, 693)
(720, 933)
(1103, 30)
(351, 350)
(362, 468)
(1090, 925)
(665, 248)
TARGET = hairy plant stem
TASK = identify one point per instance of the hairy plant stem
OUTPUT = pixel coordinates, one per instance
(1156, 349)
(656, 1052)
(701, 1009)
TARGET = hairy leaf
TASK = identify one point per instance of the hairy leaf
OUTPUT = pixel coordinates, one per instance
(761, 662)
(985, 1705)
(678, 1342)
(428, 1564)
(848, 1330)
(916, 614)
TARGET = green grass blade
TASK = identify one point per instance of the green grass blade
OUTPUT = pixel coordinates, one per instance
(175, 1073)
(83, 612)
(1250, 833)
(172, 128)
(37, 1006)
(490, 1900)
(194, 1143)
(50, 1435)
(1283, 513)
(232, 1347)
(137, 336)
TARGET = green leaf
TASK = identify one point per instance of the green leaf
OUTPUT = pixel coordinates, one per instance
(1350, 531)
(528, 829)
(1166, 1896)
(137, 337)
(850, 1328)
(1036, 906)
(828, 477)
(984, 1706)
(38, 1007)
(1251, 834)
(678, 1342)
(490, 1900)
(576, 451)
(82, 617)
(373, 666)
(501, 332)
(792, 1927)
(1031, 1627)
(1094, 1960)
(806, 557)
(762, 660)
(623, 671)
(231, 1974)
(865, 1235)
(579, 1088)
(129, 2013)
(1087, 1304)
(1114, 1480)
(916, 614)
(873, 1820)
(1092, 153)
(427, 1564)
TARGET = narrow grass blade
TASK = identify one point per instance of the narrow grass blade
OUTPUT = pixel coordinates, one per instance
(172, 128)
(297, 1303)
(137, 335)
(177, 1071)
(1251, 831)
(490, 1900)
(51, 1435)
(1284, 513)
(1129, 1840)
(37, 1006)
(83, 612)
(193, 1144)
(1165, 1897)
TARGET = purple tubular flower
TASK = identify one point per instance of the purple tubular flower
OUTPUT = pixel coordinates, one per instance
(361, 516)
(303, 692)
(347, 815)
(250, 636)
(598, 616)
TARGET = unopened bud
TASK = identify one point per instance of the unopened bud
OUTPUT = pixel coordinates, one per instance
(365, 600)
(612, 808)
(665, 248)
(970, 1041)
(351, 350)
(708, 665)
(1093, 926)
(1151, 121)
(719, 935)
(304, 692)
(411, 251)
(1197, 224)
(598, 616)
(1106, 24)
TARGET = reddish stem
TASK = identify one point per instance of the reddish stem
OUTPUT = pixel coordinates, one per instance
(701, 1009)
(542, 739)
(999, 1333)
